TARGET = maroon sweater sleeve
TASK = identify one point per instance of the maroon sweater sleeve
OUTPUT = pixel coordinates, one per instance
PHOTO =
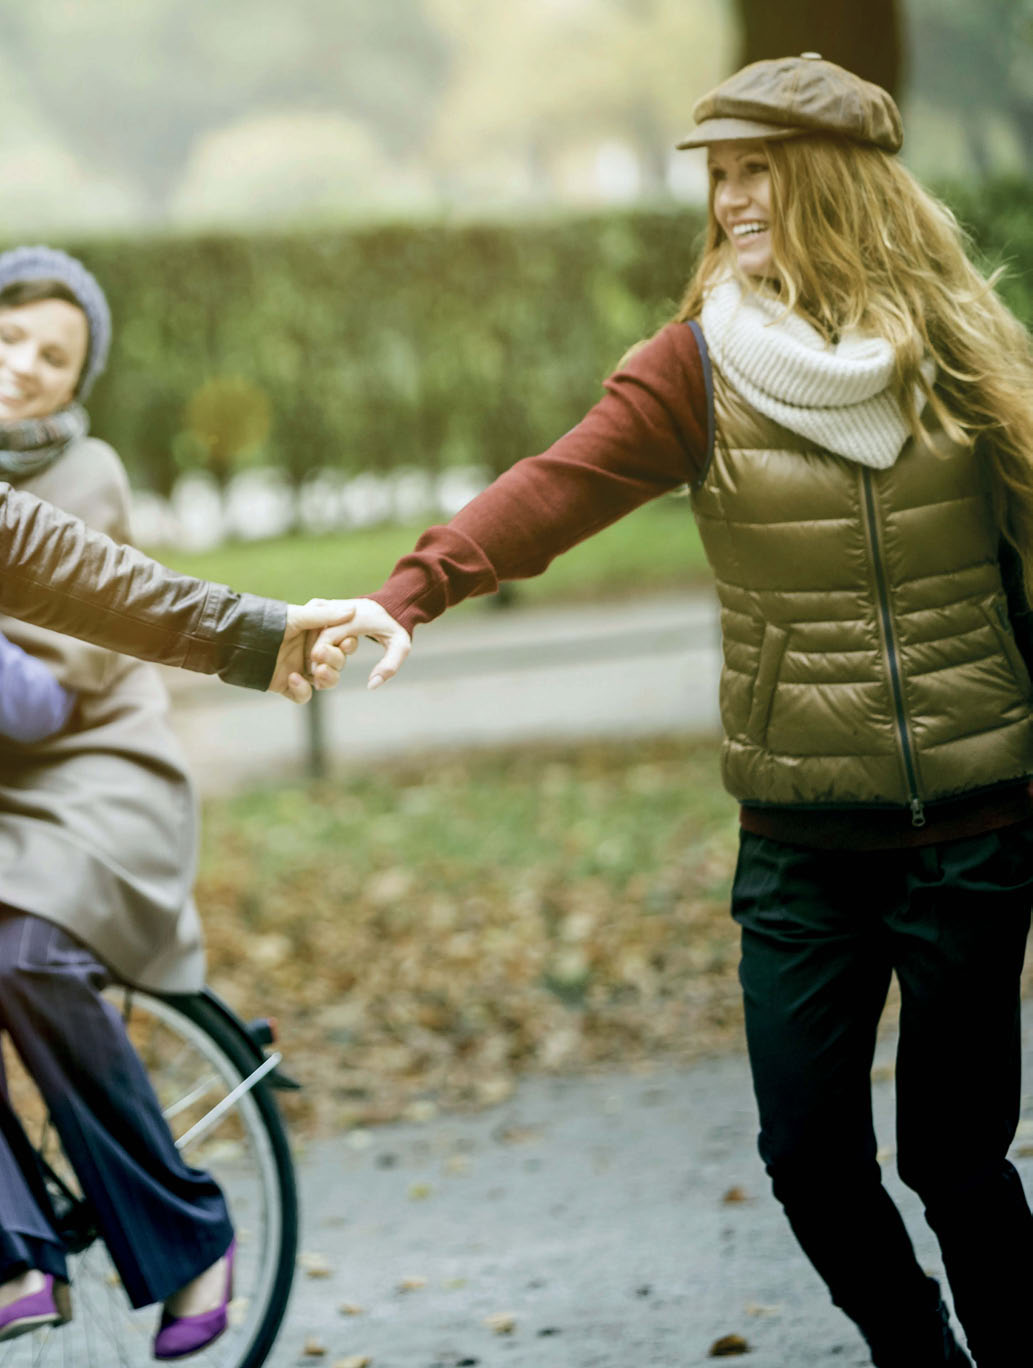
(646, 436)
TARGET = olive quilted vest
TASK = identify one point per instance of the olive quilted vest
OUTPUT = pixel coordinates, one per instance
(868, 654)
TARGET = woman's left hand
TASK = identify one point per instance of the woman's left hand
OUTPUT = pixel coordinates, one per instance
(297, 671)
(367, 619)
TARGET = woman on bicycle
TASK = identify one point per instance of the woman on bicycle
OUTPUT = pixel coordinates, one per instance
(867, 509)
(98, 838)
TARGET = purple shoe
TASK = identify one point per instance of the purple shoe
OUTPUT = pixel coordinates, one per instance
(35, 1310)
(179, 1336)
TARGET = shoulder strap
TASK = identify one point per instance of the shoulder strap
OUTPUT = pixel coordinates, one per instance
(708, 382)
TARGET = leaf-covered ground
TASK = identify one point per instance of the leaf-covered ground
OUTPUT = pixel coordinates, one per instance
(426, 932)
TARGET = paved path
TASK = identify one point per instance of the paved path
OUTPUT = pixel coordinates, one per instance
(592, 1211)
(480, 677)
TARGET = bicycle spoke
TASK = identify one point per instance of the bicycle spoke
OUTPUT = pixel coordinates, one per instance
(201, 1089)
(231, 1099)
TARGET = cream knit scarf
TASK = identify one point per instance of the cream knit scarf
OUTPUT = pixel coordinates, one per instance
(837, 396)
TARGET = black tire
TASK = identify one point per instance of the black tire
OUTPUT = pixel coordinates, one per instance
(231, 1037)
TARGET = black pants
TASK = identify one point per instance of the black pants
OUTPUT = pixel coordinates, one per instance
(822, 933)
(163, 1223)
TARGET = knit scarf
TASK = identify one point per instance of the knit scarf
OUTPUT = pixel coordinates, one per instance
(835, 395)
(29, 445)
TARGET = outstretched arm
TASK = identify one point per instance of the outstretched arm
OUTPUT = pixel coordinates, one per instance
(58, 573)
(646, 436)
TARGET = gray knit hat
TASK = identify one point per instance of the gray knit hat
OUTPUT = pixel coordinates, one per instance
(50, 263)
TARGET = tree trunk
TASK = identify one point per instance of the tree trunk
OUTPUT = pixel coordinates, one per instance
(1021, 112)
(865, 38)
(652, 144)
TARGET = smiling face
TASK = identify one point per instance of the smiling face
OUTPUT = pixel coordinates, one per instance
(740, 182)
(42, 349)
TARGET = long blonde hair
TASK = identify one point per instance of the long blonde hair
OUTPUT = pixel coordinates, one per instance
(858, 243)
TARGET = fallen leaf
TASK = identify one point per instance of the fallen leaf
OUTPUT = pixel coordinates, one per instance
(269, 949)
(727, 1346)
(419, 1192)
(412, 1284)
(353, 1361)
(351, 1309)
(420, 1110)
(501, 1322)
(315, 1265)
(313, 1348)
(517, 1134)
(759, 1309)
(735, 1194)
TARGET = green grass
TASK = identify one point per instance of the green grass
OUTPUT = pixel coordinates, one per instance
(656, 548)
(600, 810)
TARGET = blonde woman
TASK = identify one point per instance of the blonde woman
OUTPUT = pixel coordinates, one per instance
(852, 406)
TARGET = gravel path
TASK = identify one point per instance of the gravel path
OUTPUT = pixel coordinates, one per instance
(591, 1214)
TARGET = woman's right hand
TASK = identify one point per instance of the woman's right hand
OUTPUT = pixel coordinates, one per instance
(368, 619)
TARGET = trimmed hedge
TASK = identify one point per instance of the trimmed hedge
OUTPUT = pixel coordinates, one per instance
(999, 216)
(376, 347)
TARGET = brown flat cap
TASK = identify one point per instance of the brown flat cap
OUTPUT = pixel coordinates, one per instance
(789, 97)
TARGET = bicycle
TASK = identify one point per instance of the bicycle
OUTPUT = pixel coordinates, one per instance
(215, 1083)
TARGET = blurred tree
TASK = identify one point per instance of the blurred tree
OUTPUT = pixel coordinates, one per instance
(977, 59)
(865, 38)
(278, 167)
(534, 79)
(130, 86)
(227, 421)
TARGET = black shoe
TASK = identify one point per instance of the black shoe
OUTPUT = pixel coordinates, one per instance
(956, 1356)
(934, 1346)
(953, 1354)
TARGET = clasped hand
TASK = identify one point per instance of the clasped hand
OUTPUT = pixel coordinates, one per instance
(365, 618)
(320, 636)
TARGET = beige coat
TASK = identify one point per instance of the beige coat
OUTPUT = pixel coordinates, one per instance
(98, 826)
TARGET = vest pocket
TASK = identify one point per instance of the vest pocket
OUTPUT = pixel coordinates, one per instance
(772, 649)
(997, 615)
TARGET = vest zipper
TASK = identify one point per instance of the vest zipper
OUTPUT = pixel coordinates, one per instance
(903, 730)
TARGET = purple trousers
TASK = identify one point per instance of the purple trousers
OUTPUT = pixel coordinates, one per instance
(163, 1223)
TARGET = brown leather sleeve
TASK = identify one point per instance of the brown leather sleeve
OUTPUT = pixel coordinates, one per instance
(58, 573)
(647, 435)
(88, 481)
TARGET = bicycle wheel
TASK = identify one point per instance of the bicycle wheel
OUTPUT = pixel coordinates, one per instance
(201, 1063)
